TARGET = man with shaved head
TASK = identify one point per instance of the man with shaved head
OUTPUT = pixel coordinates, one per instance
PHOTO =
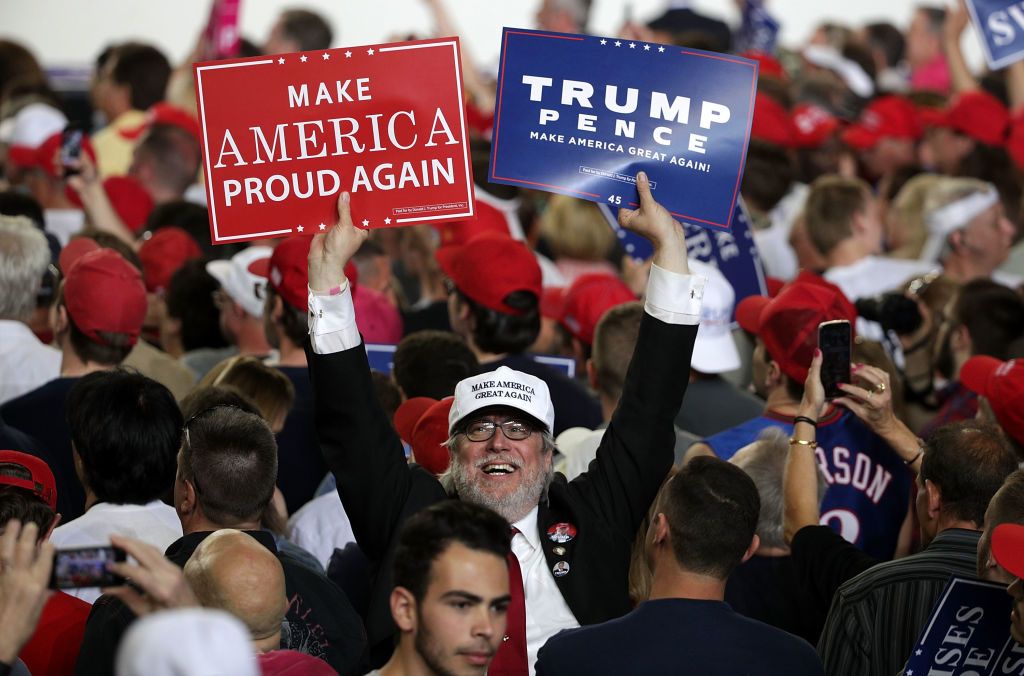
(227, 466)
(231, 571)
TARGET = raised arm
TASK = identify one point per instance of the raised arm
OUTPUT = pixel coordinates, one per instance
(636, 451)
(800, 481)
(358, 442)
(952, 31)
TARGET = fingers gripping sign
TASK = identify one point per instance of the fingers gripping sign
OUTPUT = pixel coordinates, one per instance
(654, 222)
(330, 251)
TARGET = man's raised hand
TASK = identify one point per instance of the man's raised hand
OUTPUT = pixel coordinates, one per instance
(655, 223)
(330, 251)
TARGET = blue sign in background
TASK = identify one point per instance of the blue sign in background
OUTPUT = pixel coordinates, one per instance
(968, 633)
(734, 252)
(600, 161)
(999, 25)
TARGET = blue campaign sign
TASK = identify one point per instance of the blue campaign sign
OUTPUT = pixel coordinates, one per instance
(1000, 25)
(758, 31)
(581, 115)
(968, 633)
(732, 251)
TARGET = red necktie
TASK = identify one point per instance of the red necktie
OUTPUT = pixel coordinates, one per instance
(510, 659)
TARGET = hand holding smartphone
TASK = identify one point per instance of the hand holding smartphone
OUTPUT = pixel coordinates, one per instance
(834, 341)
(85, 567)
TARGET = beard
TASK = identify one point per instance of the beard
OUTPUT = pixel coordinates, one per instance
(514, 505)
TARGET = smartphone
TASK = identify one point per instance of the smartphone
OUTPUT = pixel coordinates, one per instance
(71, 150)
(85, 567)
(834, 343)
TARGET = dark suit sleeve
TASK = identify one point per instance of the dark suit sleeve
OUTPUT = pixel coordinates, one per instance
(637, 449)
(361, 447)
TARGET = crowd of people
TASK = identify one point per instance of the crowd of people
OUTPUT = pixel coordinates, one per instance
(674, 491)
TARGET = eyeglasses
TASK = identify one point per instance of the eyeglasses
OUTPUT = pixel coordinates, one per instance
(482, 430)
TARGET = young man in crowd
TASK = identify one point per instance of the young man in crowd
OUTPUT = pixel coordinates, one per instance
(579, 538)
(703, 527)
(451, 596)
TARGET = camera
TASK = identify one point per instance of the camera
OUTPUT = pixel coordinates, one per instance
(893, 311)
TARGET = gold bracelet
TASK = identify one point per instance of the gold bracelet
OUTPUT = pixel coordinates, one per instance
(802, 442)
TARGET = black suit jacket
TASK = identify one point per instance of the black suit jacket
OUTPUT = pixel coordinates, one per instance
(605, 505)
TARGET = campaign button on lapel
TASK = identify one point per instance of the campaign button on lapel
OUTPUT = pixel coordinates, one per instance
(562, 532)
(561, 569)
(558, 551)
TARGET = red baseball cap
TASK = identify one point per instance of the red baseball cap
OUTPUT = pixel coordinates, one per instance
(812, 125)
(423, 423)
(788, 323)
(75, 249)
(771, 122)
(488, 219)
(586, 301)
(1008, 547)
(130, 200)
(979, 115)
(1015, 140)
(288, 272)
(1002, 383)
(22, 470)
(768, 65)
(47, 155)
(163, 254)
(104, 293)
(489, 267)
(886, 116)
(165, 113)
(552, 302)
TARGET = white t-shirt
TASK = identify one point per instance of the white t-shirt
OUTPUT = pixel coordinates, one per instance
(25, 362)
(321, 526)
(873, 275)
(154, 523)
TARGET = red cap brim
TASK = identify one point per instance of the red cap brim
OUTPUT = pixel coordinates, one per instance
(748, 313)
(409, 413)
(976, 372)
(1008, 547)
(859, 138)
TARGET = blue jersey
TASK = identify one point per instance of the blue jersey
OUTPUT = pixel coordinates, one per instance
(868, 485)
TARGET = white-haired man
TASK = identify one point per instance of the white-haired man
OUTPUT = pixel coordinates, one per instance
(571, 540)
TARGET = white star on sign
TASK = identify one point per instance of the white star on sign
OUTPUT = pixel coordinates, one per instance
(370, 51)
(348, 55)
(323, 226)
(326, 56)
(917, 652)
(365, 222)
(604, 42)
(618, 44)
(661, 49)
(647, 48)
(281, 60)
(298, 229)
(302, 58)
(910, 672)
(632, 45)
(387, 221)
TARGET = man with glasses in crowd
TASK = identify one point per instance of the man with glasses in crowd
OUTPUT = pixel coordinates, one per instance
(568, 538)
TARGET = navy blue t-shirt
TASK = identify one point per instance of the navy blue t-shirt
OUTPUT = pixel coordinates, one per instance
(868, 491)
(300, 465)
(42, 414)
(678, 636)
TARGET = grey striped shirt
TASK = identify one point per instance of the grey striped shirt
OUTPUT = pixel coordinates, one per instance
(877, 616)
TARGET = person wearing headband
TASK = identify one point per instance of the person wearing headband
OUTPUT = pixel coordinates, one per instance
(968, 231)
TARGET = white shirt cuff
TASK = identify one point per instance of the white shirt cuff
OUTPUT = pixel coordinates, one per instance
(674, 298)
(332, 321)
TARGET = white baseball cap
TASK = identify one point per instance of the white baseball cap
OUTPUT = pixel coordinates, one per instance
(32, 125)
(715, 351)
(504, 387)
(244, 277)
(199, 641)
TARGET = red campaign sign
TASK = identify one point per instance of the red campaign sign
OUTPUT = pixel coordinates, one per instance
(284, 135)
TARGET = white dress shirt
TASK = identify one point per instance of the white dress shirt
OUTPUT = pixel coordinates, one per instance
(154, 523)
(321, 526)
(25, 362)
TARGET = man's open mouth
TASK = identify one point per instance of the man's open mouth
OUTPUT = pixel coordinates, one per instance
(498, 468)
